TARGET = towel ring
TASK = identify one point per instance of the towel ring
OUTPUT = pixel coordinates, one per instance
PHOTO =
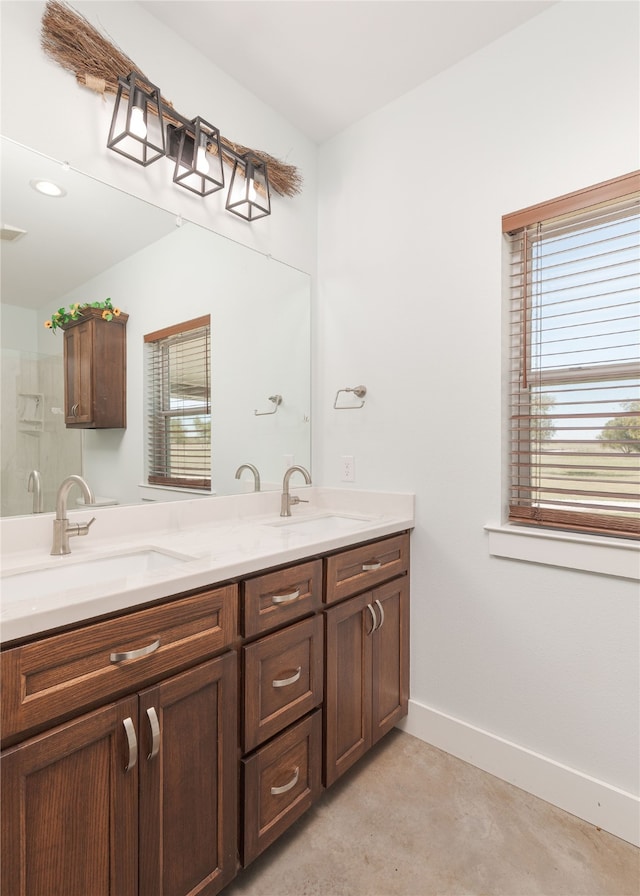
(358, 391)
(277, 401)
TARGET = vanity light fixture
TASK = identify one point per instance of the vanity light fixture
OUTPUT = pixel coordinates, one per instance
(138, 132)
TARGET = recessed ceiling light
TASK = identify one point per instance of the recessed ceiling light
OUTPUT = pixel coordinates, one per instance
(48, 188)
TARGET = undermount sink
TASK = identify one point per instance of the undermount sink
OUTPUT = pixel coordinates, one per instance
(66, 573)
(324, 526)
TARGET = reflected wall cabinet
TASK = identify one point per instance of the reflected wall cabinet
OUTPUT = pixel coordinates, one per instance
(95, 371)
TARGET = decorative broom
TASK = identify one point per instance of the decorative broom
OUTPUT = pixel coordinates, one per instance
(71, 41)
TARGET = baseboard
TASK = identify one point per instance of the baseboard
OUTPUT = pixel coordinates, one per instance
(597, 802)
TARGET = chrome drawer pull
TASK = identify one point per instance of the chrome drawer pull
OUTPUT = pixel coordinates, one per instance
(373, 616)
(368, 567)
(276, 791)
(283, 682)
(285, 598)
(134, 654)
(381, 614)
(154, 724)
(132, 743)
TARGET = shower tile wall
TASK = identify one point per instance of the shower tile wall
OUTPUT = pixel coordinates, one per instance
(33, 435)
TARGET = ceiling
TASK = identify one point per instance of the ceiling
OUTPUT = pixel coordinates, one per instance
(66, 241)
(324, 64)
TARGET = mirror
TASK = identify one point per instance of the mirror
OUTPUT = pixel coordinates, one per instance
(97, 242)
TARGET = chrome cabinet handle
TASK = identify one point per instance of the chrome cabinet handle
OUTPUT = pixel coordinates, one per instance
(283, 682)
(154, 724)
(373, 617)
(132, 743)
(285, 598)
(74, 410)
(381, 614)
(134, 654)
(275, 791)
(367, 567)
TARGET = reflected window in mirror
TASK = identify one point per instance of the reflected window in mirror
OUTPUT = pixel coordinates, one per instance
(178, 387)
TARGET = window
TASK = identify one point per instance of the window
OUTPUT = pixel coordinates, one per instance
(179, 405)
(574, 332)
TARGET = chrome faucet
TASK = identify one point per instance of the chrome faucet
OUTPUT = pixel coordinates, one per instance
(34, 484)
(256, 475)
(62, 529)
(287, 500)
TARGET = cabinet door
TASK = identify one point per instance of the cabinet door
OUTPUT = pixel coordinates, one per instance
(70, 809)
(348, 684)
(367, 672)
(188, 781)
(390, 656)
(78, 354)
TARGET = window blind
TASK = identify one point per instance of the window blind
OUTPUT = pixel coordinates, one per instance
(178, 372)
(574, 362)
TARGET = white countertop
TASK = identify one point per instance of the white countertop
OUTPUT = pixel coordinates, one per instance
(200, 542)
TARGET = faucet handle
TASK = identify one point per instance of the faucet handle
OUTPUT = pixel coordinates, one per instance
(82, 528)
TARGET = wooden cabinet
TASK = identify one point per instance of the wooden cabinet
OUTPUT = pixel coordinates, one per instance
(151, 753)
(95, 364)
(367, 664)
(157, 768)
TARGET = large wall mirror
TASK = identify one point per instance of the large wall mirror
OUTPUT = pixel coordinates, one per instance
(97, 242)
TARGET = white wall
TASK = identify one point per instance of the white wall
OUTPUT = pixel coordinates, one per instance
(409, 304)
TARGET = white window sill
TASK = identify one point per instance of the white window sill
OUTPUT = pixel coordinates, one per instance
(607, 556)
(170, 493)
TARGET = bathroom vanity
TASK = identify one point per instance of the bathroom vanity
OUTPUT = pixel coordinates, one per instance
(161, 745)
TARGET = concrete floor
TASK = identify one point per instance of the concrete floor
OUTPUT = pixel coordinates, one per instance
(410, 820)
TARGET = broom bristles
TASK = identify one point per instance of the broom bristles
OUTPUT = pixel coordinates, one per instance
(71, 41)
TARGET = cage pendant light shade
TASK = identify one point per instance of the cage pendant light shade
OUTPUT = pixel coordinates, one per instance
(137, 128)
(249, 196)
(198, 158)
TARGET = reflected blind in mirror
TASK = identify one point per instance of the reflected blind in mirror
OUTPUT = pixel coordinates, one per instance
(178, 383)
(574, 366)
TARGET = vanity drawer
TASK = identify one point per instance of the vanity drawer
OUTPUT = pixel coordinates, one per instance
(58, 677)
(280, 782)
(359, 569)
(277, 598)
(282, 679)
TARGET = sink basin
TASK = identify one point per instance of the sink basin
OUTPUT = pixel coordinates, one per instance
(323, 526)
(66, 573)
